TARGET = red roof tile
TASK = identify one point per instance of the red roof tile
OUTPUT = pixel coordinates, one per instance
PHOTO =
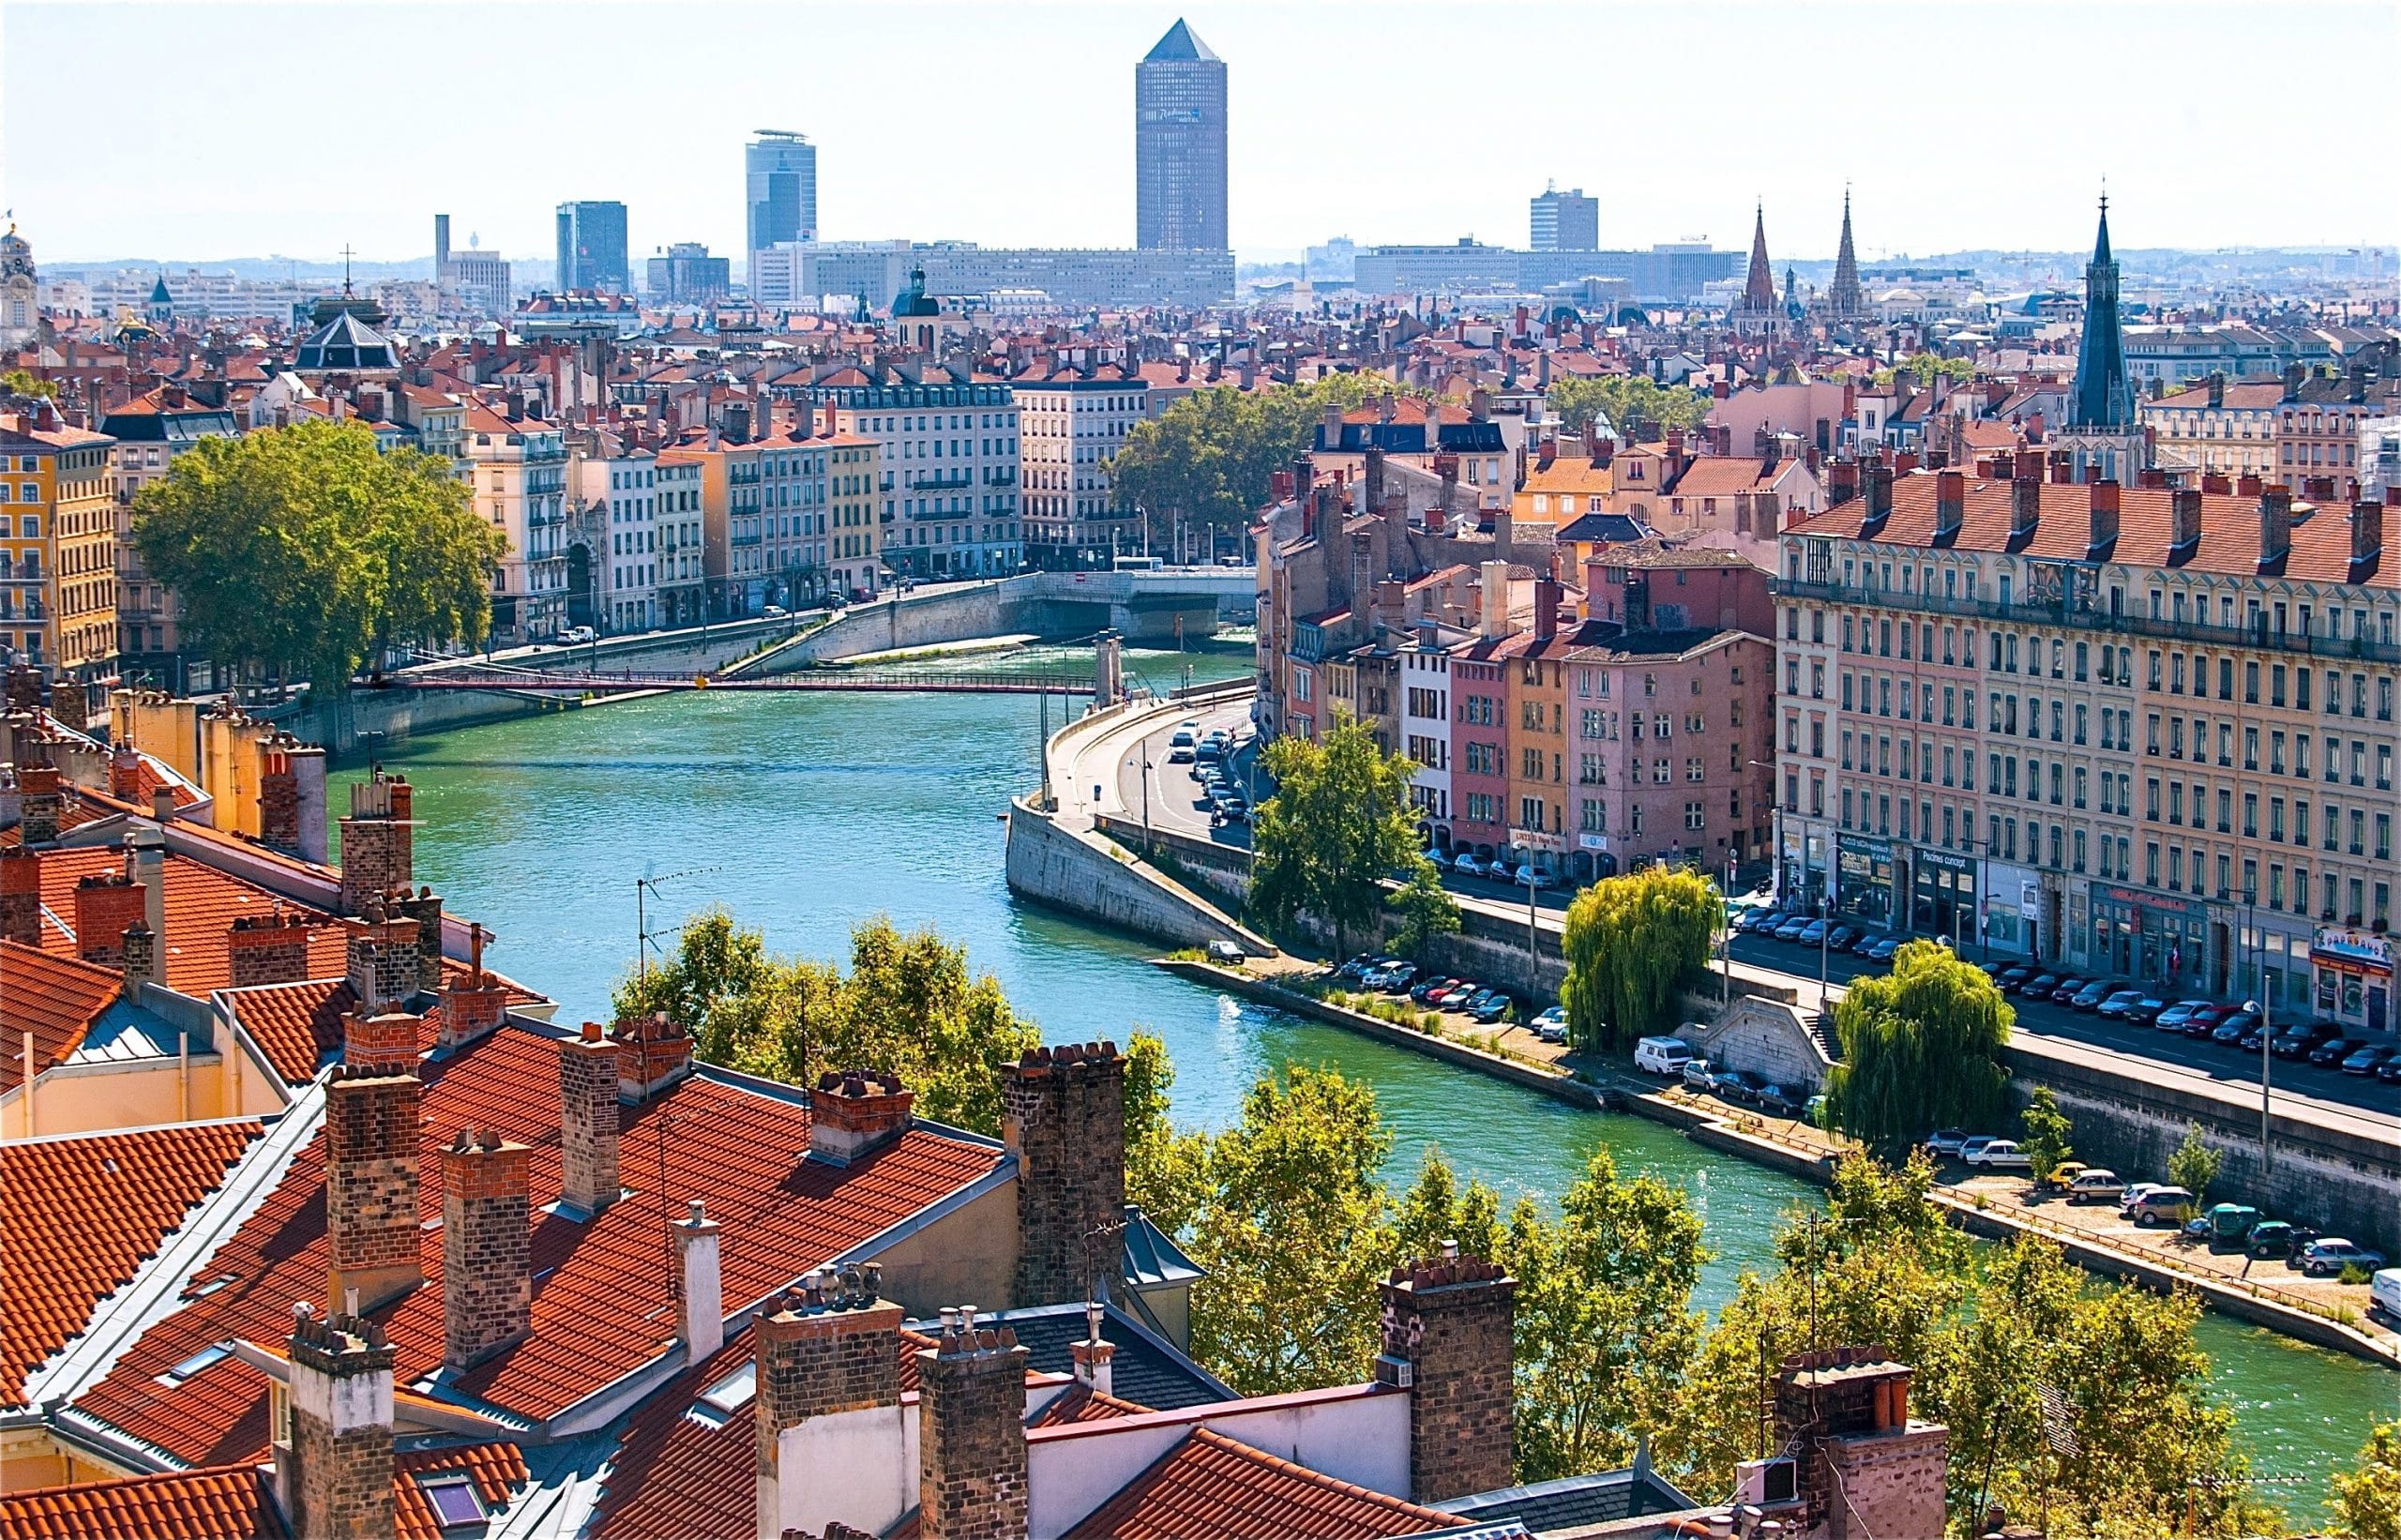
(79, 1217)
(55, 998)
(1080, 1404)
(202, 904)
(497, 1470)
(742, 1151)
(224, 1502)
(1210, 1488)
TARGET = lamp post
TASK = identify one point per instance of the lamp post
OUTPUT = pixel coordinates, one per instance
(2267, 1166)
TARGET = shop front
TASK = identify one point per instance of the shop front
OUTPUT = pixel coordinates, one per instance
(2354, 977)
(1863, 887)
(2012, 902)
(1943, 900)
(1801, 865)
(2151, 937)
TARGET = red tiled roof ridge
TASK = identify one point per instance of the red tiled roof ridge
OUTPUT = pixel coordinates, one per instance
(1213, 1484)
(214, 1503)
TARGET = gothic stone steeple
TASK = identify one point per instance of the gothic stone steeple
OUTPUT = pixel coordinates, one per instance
(1758, 288)
(1844, 296)
(2105, 396)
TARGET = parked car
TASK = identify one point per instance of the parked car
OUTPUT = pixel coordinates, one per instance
(2066, 1171)
(2334, 1050)
(1663, 1055)
(1793, 926)
(2145, 1010)
(1842, 938)
(1813, 1112)
(1440, 858)
(1699, 1075)
(1973, 1145)
(776, 612)
(2119, 1004)
(2295, 1041)
(1534, 876)
(1431, 988)
(2090, 997)
(2332, 1255)
(2271, 1240)
(2229, 1224)
(1225, 954)
(2002, 1155)
(1814, 934)
(1759, 918)
(2384, 1293)
(1884, 949)
(2366, 1061)
(1775, 1102)
(1494, 1007)
(2204, 1021)
(1466, 864)
(2159, 1206)
(1396, 978)
(2254, 1037)
(1356, 966)
(1551, 1025)
(2008, 979)
(1459, 994)
(1946, 1142)
(1741, 1086)
(2039, 986)
(2093, 1185)
(1865, 942)
(2389, 1072)
(2173, 1018)
(2066, 992)
(2236, 1027)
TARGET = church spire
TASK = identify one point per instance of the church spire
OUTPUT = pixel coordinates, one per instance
(2105, 394)
(1758, 288)
(1842, 296)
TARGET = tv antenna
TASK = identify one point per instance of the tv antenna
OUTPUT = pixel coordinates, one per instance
(645, 939)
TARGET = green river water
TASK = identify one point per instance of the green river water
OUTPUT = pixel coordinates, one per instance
(811, 811)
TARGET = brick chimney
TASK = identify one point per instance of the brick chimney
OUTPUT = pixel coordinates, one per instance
(40, 804)
(425, 908)
(1880, 500)
(371, 1232)
(1093, 1354)
(486, 1260)
(2249, 485)
(125, 774)
(2367, 548)
(377, 841)
(2275, 527)
(21, 895)
(589, 1122)
(970, 1432)
(1064, 1117)
(382, 951)
(474, 1006)
(139, 957)
(652, 1054)
(1950, 505)
(2183, 522)
(2025, 511)
(381, 1042)
(2216, 483)
(266, 949)
(701, 1304)
(2103, 497)
(827, 1398)
(1865, 1468)
(854, 1114)
(1447, 1334)
(334, 1458)
(105, 904)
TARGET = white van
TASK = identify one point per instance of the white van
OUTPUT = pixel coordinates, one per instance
(1662, 1055)
(2384, 1293)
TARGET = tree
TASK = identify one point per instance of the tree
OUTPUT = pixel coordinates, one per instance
(24, 384)
(2195, 1164)
(908, 1005)
(1920, 1048)
(1626, 401)
(1631, 942)
(1292, 1230)
(1427, 909)
(2366, 1502)
(1166, 1171)
(1338, 824)
(2047, 1133)
(1924, 369)
(308, 551)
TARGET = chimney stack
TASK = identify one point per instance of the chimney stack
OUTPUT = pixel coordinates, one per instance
(652, 1053)
(105, 904)
(1492, 619)
(377, 841)
(1448, 1326)
(1093, 1354)
(474, 1006)
(702, 1302)
(21, 895)
(486, 1260)
(1950, 504)
(139, 954)
(334, 1457)
(2275, 527)
(2183, 522)
(852, 1114)
(970, 1432)
(2367, 548)
(2025, 511)
(830, 1437)
(266, 949)
(1064, 1117)
(1864, 1466)
(382, 954)
(1547, 594)
(1880, 500)
(372, 1136)
(2103, 496)
(589, 1123)
(425, 908)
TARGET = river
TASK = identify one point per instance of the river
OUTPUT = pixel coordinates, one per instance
(803, 813)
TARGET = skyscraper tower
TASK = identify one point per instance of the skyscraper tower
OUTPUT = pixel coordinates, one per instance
(1845, 300)
(1180, 145)
(2101, 431)
(1563, 221)
(592, 248)
(779, 181)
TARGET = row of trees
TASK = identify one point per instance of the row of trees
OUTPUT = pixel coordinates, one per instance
(1628, 404)
(307, 552)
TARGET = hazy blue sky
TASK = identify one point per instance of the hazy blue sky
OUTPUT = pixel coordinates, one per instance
(198, 130)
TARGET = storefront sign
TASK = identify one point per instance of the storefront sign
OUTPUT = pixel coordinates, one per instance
(2157, 903)
(1860, 844)
(2351, 951)
(1941, 860)
(1593, 841)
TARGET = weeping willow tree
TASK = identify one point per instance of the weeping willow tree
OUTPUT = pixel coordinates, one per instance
(1921, 1050)
(1631, 942)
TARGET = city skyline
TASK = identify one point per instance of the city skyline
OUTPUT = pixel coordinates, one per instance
(137, 186)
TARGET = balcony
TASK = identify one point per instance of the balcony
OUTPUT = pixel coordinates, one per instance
(942, 482)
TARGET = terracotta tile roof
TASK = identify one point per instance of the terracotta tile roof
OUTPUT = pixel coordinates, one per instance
(223, 1502)
(497, 1470)
(1081, 1404)
(55, 998)
(1723, 476)
(201, 906)
(1210, 1488)
(79, 1217)
(743, 1151)
(2229, 544)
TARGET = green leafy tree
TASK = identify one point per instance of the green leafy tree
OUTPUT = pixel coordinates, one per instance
(1427, 909)
(1338, 824)
(308, 551)
(25, 385)
(2366, 1501)
(1924, 369)
(2047, 1133)
(1920, 1048)
(1292, 1232)
(1631, 942)
(1166, 1171)
(1627, 402)
(1436, 1210)
(2195, 1164)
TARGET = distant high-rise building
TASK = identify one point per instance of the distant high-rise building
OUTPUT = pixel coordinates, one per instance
(592, 248)
(1180, 145)
(780, 192)
(1565, 221)
(688, 275)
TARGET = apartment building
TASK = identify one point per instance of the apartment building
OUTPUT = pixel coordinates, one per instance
(58, 586)
(623, 488)
(1072, 424)
(2141, 732)
(850, 545)
(2227, 426)
(946, 474)
(518, 466)
(681, 573)
(151, 430)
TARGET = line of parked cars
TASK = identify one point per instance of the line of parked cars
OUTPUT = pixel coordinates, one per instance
(1211, 756)
(1812, 930)
(2240, 1027)
(1399, 977)
(1497, 868)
